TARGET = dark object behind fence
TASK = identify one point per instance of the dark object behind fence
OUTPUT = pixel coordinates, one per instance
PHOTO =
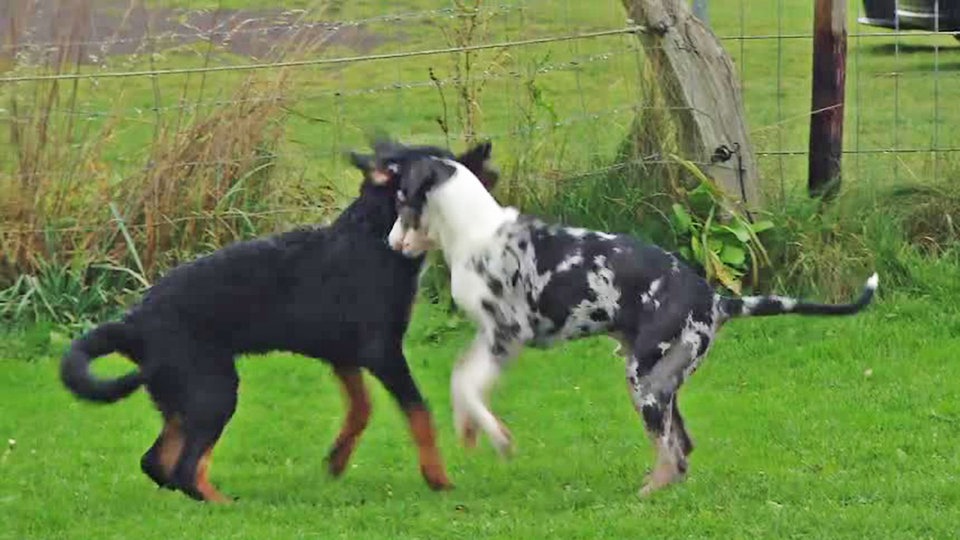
(931, 15)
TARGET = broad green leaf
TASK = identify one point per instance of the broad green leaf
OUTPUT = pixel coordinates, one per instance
(715, 244)
(726, 275)
(733, 255)
(700, 200)
(761, 226)
(739, 231)
(682, 218)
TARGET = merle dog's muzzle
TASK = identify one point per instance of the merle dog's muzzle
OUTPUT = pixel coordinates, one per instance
(407, 235)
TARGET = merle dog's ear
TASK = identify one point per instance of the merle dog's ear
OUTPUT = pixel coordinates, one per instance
(477, 159)
(423, 175)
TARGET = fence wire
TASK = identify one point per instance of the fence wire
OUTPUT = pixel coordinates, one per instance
(559, 71)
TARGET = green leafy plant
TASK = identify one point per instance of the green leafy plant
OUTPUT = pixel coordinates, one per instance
(70, 295)
(712, 232)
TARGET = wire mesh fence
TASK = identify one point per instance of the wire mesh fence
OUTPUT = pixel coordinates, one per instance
(896, 100)
(556, 84)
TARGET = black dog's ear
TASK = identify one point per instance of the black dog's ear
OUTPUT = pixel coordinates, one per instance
(477, 159)
(379, 136)
(383, 147)
(371, 172)
(364, 162)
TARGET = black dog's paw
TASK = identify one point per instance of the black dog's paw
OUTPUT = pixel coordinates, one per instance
(154, 472)
(337, 458)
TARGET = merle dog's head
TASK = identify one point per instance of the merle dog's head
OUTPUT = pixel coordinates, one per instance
(412, 172)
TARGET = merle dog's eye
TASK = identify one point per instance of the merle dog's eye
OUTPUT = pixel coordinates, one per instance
(393, 168)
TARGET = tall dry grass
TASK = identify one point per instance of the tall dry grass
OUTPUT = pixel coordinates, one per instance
(208, 177)
(209, 182)
(80, 230)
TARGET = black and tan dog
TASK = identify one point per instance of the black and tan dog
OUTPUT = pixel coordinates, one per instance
(337, 293)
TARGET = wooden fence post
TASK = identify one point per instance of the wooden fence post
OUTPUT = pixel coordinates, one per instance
(702, 90)
(826, 118)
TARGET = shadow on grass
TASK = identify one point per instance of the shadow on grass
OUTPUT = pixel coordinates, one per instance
(912, 48)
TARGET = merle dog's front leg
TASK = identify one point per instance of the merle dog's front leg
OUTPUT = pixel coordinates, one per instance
(470, 384)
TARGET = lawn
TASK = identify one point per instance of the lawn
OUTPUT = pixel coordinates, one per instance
(839, 428)
(815, 428)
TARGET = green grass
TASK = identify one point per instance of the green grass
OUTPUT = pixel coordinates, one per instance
(794, 439)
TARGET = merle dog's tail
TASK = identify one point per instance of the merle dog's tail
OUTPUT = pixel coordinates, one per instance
(759, 306)
(102, 340)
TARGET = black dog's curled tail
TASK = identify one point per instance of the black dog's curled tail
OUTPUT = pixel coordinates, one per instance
(758, 306)
(102, 340)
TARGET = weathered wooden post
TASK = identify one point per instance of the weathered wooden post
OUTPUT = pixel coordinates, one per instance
(701, 89)
(826, 118)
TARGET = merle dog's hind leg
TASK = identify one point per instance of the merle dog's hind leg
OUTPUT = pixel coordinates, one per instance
(655, 371)
(358, 413)
(686, 443)
(394, 373)
(470, 384)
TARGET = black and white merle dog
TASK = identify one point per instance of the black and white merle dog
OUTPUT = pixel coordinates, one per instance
(526, 282)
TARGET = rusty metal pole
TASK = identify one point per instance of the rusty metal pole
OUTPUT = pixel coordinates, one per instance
(829, 75)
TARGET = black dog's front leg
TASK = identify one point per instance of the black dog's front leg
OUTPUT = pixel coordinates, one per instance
(358, 414)
(394, 374)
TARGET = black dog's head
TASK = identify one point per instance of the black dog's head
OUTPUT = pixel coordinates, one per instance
(383, 167)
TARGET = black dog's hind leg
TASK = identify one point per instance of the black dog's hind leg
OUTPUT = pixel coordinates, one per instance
(358, 413)
(210, 401)
(158, 462)
(394, 373)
